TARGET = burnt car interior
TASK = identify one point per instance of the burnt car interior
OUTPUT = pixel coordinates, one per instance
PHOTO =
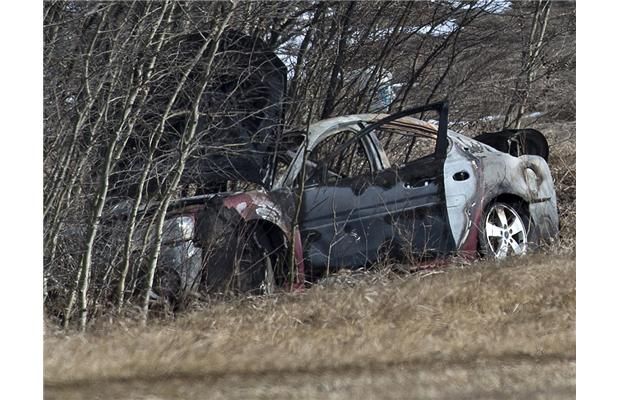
(351, 162)
(517, 142)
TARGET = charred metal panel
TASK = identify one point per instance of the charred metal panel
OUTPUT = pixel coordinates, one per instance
(347, 224)
(544, 222)
(276, 207)
(254, 205)
(463, 187)
(527, 177)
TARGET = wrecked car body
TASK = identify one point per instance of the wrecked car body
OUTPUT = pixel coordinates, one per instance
(362, 186)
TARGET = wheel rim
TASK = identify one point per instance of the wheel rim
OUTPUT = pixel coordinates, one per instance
(505, 232)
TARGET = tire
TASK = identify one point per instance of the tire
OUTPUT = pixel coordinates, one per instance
(504, 231)
(253, 265)
(243, 265)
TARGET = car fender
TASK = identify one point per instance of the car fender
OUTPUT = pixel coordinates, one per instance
(529, 178)
(277, 208)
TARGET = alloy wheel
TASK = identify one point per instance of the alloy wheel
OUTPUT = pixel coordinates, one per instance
(505, 231)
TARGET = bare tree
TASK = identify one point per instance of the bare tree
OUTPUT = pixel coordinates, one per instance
(530, 62)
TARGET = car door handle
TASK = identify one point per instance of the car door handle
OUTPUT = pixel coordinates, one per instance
(461, 176)
(422, 183)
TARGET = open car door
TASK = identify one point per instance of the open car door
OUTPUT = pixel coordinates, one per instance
(376, 191)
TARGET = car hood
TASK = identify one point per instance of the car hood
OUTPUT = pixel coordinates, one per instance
(243, 111)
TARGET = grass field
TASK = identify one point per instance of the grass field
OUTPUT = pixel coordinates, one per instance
(479, 331)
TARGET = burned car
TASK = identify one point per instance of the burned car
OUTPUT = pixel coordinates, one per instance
(359, 187)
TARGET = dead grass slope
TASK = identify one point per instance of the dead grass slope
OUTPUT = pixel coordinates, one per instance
(481, 331)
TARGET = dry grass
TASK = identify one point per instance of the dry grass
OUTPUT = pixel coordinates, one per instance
(478, 331)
